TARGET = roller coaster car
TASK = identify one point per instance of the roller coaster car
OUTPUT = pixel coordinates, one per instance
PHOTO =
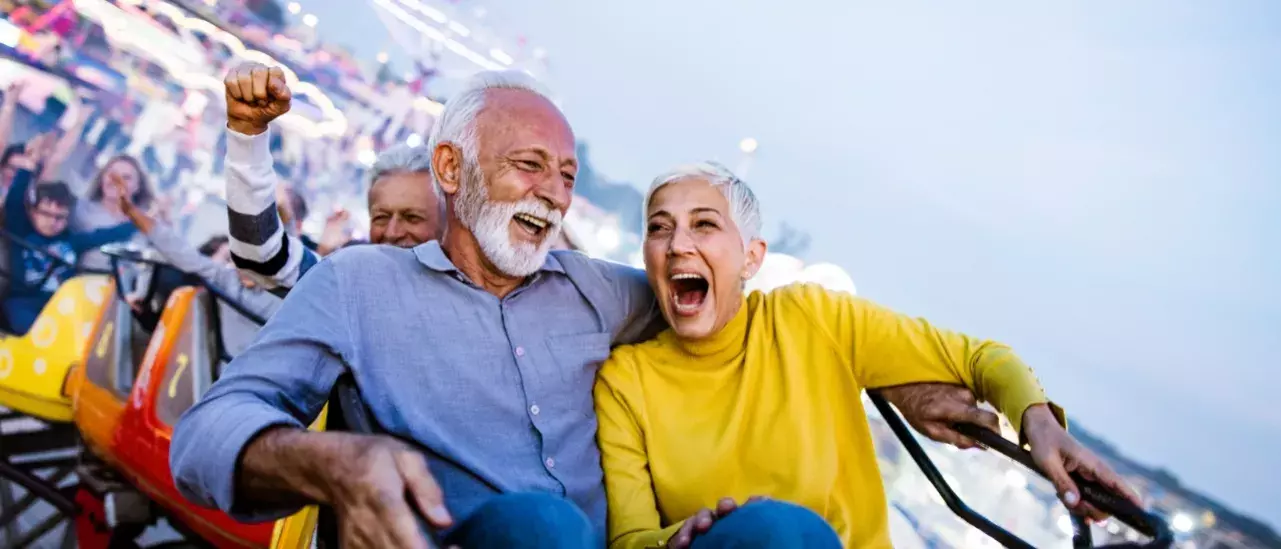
(34, 366)
(130, 394)
(348, 412)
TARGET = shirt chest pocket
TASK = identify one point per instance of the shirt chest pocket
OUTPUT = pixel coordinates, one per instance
(577, 359)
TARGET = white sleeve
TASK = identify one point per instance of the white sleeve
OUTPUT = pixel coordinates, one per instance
(260, 246)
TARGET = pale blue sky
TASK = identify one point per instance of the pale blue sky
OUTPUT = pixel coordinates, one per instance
(1097, 185)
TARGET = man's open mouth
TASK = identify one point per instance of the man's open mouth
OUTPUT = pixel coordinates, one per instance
(535, 226)
(689, 292)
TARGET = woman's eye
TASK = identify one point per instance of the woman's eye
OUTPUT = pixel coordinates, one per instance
(654, 228)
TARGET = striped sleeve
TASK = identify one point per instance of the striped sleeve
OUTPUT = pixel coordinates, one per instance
(260, 246)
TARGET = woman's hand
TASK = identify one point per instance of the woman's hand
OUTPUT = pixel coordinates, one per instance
(702, 521)
(1058, 454)
(135, 214)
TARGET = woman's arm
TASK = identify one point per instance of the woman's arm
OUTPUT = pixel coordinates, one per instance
(887, 349)
(634, 522)
(62, 150)
(9, 110)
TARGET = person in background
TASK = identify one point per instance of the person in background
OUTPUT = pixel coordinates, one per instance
(39, 215)
(48, 151)
(211, 263)
(101, 208)
(405, 208)
(760, 395)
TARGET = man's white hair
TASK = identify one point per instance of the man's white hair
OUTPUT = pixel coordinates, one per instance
(457, 123)
(403, 158)
(744, 208)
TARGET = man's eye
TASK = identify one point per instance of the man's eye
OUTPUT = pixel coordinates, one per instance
(529, 165)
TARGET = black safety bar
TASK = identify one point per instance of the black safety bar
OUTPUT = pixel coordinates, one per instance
(138, 256)
(1092, 492)
(57, 262)
(117, 253)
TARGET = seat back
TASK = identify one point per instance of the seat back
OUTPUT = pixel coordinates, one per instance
(34, 366)
(350, 414)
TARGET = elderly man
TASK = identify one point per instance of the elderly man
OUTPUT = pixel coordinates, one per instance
(477, 352)
(404, 209)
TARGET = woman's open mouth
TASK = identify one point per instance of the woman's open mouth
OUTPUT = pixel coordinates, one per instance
(535, 226)
(689, 292)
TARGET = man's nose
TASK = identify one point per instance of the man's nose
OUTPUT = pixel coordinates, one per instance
(395, 228)
(556, 192)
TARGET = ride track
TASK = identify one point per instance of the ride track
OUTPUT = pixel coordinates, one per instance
(116, 378)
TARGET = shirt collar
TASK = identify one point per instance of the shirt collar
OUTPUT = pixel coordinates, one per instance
(433, 257)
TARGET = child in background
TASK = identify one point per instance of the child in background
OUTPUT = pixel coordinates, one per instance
(39, 215)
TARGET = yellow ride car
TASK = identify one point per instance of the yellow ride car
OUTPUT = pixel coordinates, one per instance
(34, 366)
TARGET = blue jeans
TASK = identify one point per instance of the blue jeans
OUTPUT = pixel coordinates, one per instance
(770, 524)
(525, 521)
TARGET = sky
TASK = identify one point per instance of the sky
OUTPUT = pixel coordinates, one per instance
(1097, 184)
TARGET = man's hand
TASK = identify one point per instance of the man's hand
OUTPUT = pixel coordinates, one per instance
(702, 521)
(256, 95)
(1058, 454)
(335, 235)
(932, 408)
(375, 484)
(14, 92)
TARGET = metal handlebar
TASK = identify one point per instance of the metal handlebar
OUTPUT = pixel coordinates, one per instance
(1092, 492)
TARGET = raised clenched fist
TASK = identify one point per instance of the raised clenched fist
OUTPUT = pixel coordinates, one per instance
(256, 95)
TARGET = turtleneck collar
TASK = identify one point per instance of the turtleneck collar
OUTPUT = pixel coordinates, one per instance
(724, 345)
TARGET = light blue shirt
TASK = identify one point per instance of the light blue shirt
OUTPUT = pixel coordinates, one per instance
(499, 390)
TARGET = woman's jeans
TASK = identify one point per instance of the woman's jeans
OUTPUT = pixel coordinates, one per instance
(544, 521)
(769, 524)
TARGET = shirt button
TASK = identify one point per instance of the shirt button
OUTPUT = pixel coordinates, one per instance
(551, 463)
(533, 409)
(520, 351)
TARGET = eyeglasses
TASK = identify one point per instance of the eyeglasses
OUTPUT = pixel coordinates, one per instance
(53, 216)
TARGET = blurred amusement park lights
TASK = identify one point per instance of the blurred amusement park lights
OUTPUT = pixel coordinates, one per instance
(1182, 523)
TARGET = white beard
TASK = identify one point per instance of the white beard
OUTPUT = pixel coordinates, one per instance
(490, 223)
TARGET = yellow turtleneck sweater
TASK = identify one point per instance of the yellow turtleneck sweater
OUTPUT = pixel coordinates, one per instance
(772, 406)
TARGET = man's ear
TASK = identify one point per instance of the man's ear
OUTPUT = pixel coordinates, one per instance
(447, 166)
(755, 257)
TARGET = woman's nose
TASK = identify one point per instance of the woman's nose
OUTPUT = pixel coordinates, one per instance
(681, 243)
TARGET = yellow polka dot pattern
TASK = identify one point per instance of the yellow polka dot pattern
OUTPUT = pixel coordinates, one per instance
(34, 366)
